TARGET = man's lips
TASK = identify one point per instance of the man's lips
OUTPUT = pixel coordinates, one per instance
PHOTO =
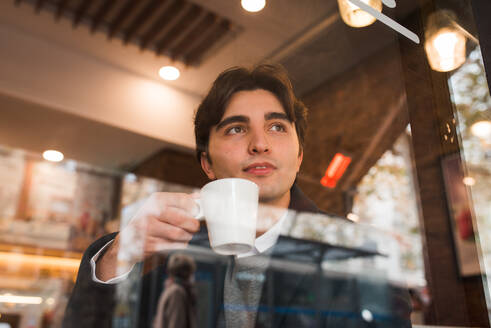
(263, 168)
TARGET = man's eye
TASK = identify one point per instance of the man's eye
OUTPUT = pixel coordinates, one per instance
(235, 130)
(278, 127)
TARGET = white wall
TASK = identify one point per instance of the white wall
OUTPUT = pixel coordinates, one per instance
(45, 72)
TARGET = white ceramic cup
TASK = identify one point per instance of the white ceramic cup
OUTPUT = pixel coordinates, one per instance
(229, 207)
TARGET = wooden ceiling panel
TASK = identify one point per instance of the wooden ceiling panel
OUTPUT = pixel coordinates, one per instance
(204, 25)
(191, 15)
(141, 18)
(101, 13)
(123, 15)
(81, 11)
(165, 19)
(60, 9)
(216, 34)
(39, 5)
(179, 29)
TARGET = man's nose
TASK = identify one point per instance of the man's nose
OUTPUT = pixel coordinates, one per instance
(259, 143)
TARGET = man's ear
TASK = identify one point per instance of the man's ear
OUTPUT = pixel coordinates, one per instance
(206, 166)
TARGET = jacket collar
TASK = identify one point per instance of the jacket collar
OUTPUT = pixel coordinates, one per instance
(301, 203)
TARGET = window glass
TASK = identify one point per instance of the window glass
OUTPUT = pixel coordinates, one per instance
(219, 163)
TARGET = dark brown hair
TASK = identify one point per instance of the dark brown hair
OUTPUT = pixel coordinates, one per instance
(269, 77)
(181, 266)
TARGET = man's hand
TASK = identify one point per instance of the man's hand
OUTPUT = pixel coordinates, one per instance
(165, 221)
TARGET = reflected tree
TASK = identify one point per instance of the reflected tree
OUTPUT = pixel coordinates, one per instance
(472, 103)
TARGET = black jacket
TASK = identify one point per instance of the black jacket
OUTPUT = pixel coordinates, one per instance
(287, 300)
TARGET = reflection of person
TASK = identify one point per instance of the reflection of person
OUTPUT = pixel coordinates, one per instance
(251, 126)
(177, 304)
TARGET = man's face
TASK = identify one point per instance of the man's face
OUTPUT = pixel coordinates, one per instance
(255, 141)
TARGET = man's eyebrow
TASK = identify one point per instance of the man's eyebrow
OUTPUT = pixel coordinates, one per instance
(232, 119)
(276, 116)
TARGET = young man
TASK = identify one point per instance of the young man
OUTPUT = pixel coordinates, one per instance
(251, 126)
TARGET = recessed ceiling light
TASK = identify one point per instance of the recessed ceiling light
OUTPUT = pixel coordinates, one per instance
(53, 156)
(169, 73)
(9, 298)
(367, 315)
(353, 217)
(253, 6)
(469, 181)
(481, 129)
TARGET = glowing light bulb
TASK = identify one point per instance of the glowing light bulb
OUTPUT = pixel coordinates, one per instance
(445, 42)
(253, 6)
(169, 73)
(53, 155)
(355, 16)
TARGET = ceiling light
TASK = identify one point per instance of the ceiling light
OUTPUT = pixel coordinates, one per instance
(469, 181)
(40, 261)
(53, 156)
(253, 6)
(70, 165)
(9, 298)
(355, 16)
(367, 315)
(169, 73)
(481, 129)
(445, 43)
(335, 170)
(353, 217)
(130, 177)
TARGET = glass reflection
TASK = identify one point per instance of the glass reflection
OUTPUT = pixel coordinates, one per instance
(347, 253)
(470, 96)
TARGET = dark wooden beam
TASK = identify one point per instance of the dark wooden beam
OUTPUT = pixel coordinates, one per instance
(60, 9)
(104, 9)
(176, 31)
(143, 16)
(197, 53)
(17, 2)
(163, 20)
(193, 36)
(429, 105)
(121, 17)
(81, 10)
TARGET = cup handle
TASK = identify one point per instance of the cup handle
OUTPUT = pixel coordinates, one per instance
(200, 216)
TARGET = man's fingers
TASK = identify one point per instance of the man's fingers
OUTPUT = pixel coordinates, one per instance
(155, 244)
(163, 230)
(177, 200)
(179, 218)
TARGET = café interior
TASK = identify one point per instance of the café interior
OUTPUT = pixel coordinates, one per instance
(97, 99)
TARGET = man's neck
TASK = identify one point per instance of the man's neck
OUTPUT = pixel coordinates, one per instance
(281, 202)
